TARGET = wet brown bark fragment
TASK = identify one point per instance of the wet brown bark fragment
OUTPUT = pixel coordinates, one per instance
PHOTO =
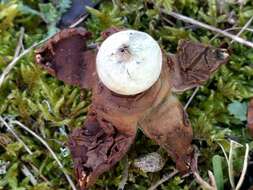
(194, 63)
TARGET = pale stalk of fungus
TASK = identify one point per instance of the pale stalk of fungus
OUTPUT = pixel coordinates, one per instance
(129, 62)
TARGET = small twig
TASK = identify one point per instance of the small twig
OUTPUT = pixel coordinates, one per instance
(230, 165)
(48, 106)
(244, 170)
(50, 150)
(12, 131)
(243, 28)
(39, 173)
(124, 175)
(168, 21)
(231, 29)
(164, 179)
(17, 52)
(27, 173)
(194, 164)
(198, 178)
(10, 128)
(224, 152)
(191, 98)
(16, 59)
(233, 145)
(79, 21)
(208, 27)
(20, 42)
(212, 179)
(24, 169)
(203, 183)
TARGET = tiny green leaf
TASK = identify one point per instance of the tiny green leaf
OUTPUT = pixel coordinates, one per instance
(238, 109)
(218, 173)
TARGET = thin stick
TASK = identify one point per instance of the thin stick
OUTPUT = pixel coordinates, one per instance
(17, 51)
(208, 27)
(199, 179)
(16, 59)
(27, 173)
(202, 182)
(20, 42)
(50, 150)
(48, 105)
(168, 21)
(191, 98)
(79, 21)
(230, 165)
(238, 28)
(231, 29)
(245, 164)
(224, 152)
(164, 179)
(39, 173)
(12, 131)
(212, 180)
(24, 169)
(243, 28)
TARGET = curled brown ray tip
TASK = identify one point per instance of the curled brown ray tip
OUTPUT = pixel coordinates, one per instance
(113, 119)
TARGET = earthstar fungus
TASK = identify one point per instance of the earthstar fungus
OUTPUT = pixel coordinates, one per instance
(115, 114)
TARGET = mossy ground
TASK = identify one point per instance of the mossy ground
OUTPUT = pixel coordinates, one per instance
(52, 109)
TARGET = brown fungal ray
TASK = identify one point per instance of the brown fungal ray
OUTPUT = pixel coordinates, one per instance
(168, 125)
(96, 147)
(250, 117)
(194, 63)
(66, 56)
